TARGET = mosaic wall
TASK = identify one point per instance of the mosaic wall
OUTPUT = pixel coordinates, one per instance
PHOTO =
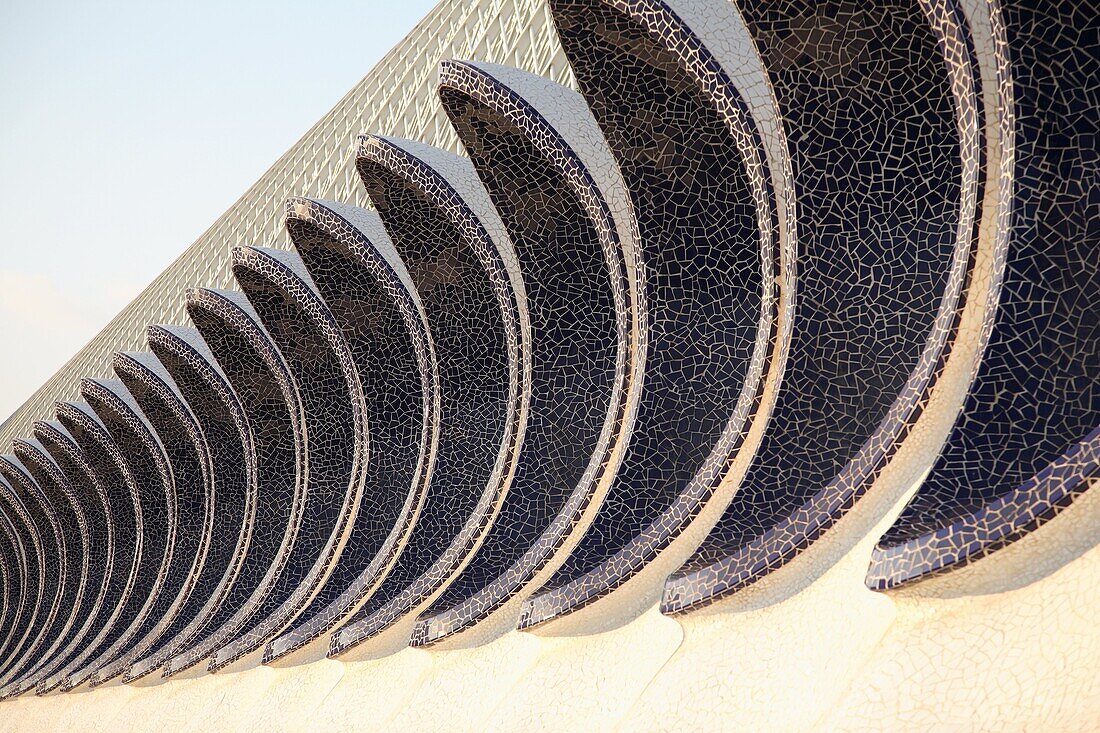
(678, 320)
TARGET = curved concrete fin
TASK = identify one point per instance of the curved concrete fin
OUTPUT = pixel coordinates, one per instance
(72, 525)
(339, 514)
(86, 444)
(188, 454)
(272, 405)
(103, 579)
(28, 556)
(13, 566)
(225, 438)
(55, 578)
(170, 556)
(890, 191)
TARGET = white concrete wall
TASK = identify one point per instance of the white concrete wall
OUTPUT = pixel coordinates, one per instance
(1008, 643)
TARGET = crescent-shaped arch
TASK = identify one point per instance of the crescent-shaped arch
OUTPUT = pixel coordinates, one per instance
(231, 452)
(356, 524)
(170, 564)
(356, 270)
(1024, 446)
(188, 455)
(131, 577)
(28, 565)
(272, 405)
(688, 112)
(105, 580)
(69, 516)
(888, 142)
(548, 171)
(13, 567)
(458, 254)
(52, 543)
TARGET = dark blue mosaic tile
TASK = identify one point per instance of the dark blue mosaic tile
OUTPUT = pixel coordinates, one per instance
(710, 187)
(55, 590)
(1036, 395)
(462, 264)
(543, 161)
(73, 546)
(333, 438)
(272, 406)
(657, 336)
(154, 482)
(882, 121)
(103, 581)
(189, 458)
(14, 605)
(80, 443)
(222, 440)
(372, 298)
(37, 563)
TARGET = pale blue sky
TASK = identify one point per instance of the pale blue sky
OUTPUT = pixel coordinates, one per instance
(126, 128)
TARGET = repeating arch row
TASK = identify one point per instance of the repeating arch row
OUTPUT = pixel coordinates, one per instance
(645, 343)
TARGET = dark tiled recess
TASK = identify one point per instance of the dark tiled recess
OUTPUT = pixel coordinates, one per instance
(356, 269)
(462, 264)
(154, 482)
(581, 292)
(1014, 458)
(882, 126)
(39, 561)
(74, 592)
(103, 580)
(84, 440)
(333, 438)
(189, 455)
(271, 406)
(691, 158)
(233, 475)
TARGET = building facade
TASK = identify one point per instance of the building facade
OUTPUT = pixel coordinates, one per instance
(604, 364)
